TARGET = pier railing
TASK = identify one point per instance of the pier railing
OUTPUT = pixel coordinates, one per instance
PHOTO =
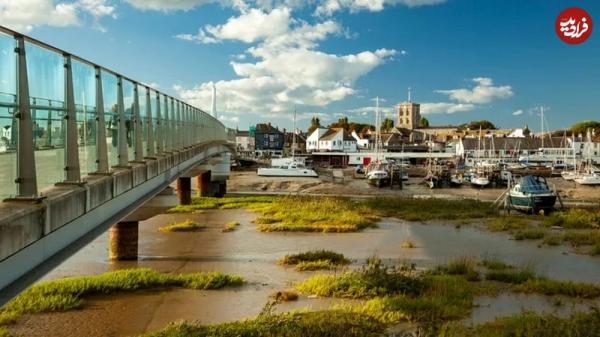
(63, 117)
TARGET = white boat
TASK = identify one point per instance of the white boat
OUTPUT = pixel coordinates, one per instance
(292, 170)
(480, 180)
(570, 175)
(288, 167)
(378, 177)
(588, 179)
(456, 179)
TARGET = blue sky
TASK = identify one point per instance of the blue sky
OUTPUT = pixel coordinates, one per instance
(464, 59)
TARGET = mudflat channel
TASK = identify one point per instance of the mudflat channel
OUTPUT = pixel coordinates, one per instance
(253, 255)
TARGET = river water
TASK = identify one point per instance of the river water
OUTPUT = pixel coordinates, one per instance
(253, 255)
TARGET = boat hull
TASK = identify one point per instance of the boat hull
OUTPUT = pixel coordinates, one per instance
(279, 172)
(532, 202)
(379, 182)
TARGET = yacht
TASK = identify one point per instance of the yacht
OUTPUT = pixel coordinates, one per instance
(588, 179)
(291, 170)
(288, 167)
(532, 193)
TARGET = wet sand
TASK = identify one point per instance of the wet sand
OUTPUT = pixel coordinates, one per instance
(253, 255)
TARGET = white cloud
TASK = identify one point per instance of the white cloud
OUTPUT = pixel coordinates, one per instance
(445, 107)
(518, 112)
(328, 7)
(287, 69)
(24, 15)
(167, 5)
(483, 92)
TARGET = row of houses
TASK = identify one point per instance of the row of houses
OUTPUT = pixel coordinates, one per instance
(267, 140)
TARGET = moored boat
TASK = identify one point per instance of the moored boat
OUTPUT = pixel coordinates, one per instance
(532, 193)
(588, 179)
(291, 170)
(378, 177)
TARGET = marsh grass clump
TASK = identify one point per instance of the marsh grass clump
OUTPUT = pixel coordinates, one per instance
(529, 234)
(370, 281)
(4, 332)
(554, 287)
(315, 265)
(184, 226)
(69, 293)
(408, 244)
(285, 296)
(513, 276)
(507, 223)
(443, 298)
(552, 240)
(231, 226)
(530, 324)
(464, 266)
(574, 219)
(309, 214)
(582, 238)
(595, 251)
(203, 203)
(315, 255)
(412, 209)
(495, 264)
(330, 323)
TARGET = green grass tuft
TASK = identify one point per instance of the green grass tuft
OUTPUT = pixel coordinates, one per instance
(529, 324)
(4, 332)
(507, 223)
(495, 264)
(231, 226)
(514, 276)
(411, 209)
(184, 226)
(315, 265)
(575, 219)
(313, 256)
(530, 234)
(554, 287)
(373, 280)
(69, 293)
(329, 323)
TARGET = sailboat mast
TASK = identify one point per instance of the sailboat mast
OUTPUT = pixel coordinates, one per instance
(294, 138)
(377, 127)
(542, 125)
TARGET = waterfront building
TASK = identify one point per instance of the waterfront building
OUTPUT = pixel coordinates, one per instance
(268, 141)
(244, 142)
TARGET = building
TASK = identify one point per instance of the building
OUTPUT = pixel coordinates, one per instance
(328, 140)
(409, 115)
(312, 141)
(268, 141)
(289, 141)
(244, 142)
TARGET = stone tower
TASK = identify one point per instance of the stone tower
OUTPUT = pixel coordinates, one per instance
(409, 114)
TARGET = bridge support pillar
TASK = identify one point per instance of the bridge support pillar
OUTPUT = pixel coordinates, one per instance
(124, 241)
(204, 184)
(184, 190)
(222, 188)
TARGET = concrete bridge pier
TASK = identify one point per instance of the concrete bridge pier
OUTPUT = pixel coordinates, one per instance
(123, 244)
(184, 190)
(204, 184)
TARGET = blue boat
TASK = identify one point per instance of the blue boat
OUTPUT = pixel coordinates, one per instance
(532, 194)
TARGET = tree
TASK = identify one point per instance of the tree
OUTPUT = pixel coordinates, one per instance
(483, 124)
(424, 122)
(387, 125)
(582, 127)
(314, 124)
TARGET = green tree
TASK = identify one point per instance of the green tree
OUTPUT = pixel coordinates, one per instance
(483, 124)
(387, 125)
(314, 124)
(582, 127)
(424, 122)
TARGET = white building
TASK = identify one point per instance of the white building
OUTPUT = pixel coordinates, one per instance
(335, 139)
(360, 142)
(312, 142)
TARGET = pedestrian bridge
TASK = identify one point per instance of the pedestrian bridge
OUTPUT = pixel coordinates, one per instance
(81, 148)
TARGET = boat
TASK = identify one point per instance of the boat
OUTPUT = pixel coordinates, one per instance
(532, 194)
(570, 175)
(456, 179)
(288, 167)
(480, 179)
(376, 174)
(378, 177)
(588, 179)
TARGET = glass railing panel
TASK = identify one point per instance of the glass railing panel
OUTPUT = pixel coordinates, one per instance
(128, 95)
(46, 77)
(111, 116)
(154, 118)
(8, 124)
(143, 118)
(84, 91)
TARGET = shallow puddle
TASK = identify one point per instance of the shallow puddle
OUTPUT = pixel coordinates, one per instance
(253, 255)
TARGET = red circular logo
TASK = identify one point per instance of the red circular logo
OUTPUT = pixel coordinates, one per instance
(573, 25)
